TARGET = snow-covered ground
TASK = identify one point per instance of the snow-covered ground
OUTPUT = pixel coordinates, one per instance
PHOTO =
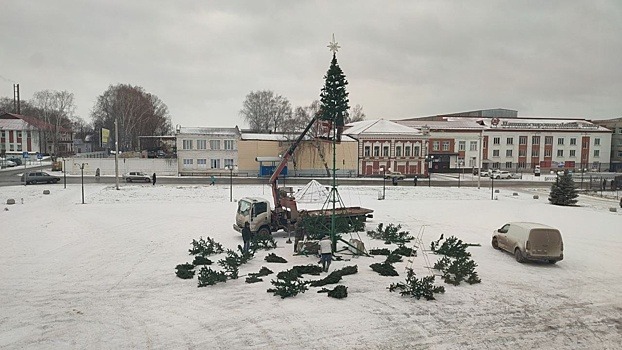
(101, 275)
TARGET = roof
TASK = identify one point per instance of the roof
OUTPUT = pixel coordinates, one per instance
(503, 124)
(530, 225)
(32, 121)
(379, 126)
(208, 131)
(283, 137)
(461, 124)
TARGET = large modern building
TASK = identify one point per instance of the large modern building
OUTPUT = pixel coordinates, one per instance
(615, 125)
(499, 139)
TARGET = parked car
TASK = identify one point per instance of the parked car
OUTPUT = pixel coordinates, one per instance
(5, 163)
(530, 241)
(501, 175)
(34, 177)
(394, 175)
(136, 176)
(17, 160)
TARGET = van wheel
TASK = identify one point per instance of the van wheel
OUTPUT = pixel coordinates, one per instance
(263, 231)
(518, 255)
(495, 244)
(552, 261)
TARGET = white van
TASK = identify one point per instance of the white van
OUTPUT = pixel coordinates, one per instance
(530, 241)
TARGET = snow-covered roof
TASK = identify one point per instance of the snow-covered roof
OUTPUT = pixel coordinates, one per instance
(462, 123)
(283, 137)
(13, 124)
(208, 131)
(378, 126)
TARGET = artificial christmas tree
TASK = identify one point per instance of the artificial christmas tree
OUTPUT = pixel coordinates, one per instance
(563, 190)
(334, 97)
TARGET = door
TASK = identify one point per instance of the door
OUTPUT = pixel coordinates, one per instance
(502, 236)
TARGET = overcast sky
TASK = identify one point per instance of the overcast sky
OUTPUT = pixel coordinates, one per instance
(402, 59)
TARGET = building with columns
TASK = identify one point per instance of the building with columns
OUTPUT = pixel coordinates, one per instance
(20, 133)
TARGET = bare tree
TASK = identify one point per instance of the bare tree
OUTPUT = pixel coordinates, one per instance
(265, 111)
(356, 114)
(137, 112)
(56, 108)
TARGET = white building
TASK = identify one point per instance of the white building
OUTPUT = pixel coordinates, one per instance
(206, 151)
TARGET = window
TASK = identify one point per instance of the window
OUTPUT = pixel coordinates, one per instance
(522, 165)
(385, 151)
(548, 152)
(201, 144)
(473, 146)
(461, 145)
(560, 140)
(188, 162)
(522, 153)
(548, 140)
(398, 151)
(496, 141)
(367, 151)
(620, 153)
(214, 144)
(522, 140)
(508, 152)
(573, 141)
(215, 163)
(19, 147)
(597, 142)
(436, 145)
(585, 145)
(535, 153)
(19, 134)
(508, 165)
(560, 152)
(229, 144)
(472, 162)
(229, 163)
(535, 140)
(416, 151)
(260, 208)
(509, 141)
(202, 163)
(376, 151)
(572, 153)
(407, 151)
(495, 153)
(445, 145)
(596, 153)
(186, 144)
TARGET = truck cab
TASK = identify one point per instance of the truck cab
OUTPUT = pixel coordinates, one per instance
(256, 211)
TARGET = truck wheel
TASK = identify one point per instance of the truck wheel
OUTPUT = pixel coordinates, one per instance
(495, 244)
(128, 180)
(518, 255)
(264, 231)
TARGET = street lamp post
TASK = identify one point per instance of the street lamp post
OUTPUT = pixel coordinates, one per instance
(231, 168)
(82, 176)
(429, 159)
(492, 186)
(64, 174)
(459, 174)
(384, 180)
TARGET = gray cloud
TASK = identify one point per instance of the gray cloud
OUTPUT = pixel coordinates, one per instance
(402, 58)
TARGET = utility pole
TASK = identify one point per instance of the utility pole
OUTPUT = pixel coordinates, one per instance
(116, 152)
(480, 153)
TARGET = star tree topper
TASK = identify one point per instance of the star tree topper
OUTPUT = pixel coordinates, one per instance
(333, 45)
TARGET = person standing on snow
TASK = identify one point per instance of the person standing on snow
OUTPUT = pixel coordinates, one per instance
(326, 254)
(246, 237)
(153, 178)
(212, 180)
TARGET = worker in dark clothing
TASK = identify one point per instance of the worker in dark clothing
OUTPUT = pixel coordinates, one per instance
(299, 235)
(415, 180)
(394, 181)
(153, 178)
(246, 237)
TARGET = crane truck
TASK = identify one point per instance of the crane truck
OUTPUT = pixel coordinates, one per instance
(264, 220)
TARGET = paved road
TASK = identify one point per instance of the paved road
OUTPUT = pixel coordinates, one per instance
(11, 177)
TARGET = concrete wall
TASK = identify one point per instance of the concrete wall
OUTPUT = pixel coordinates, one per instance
(160, 166)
